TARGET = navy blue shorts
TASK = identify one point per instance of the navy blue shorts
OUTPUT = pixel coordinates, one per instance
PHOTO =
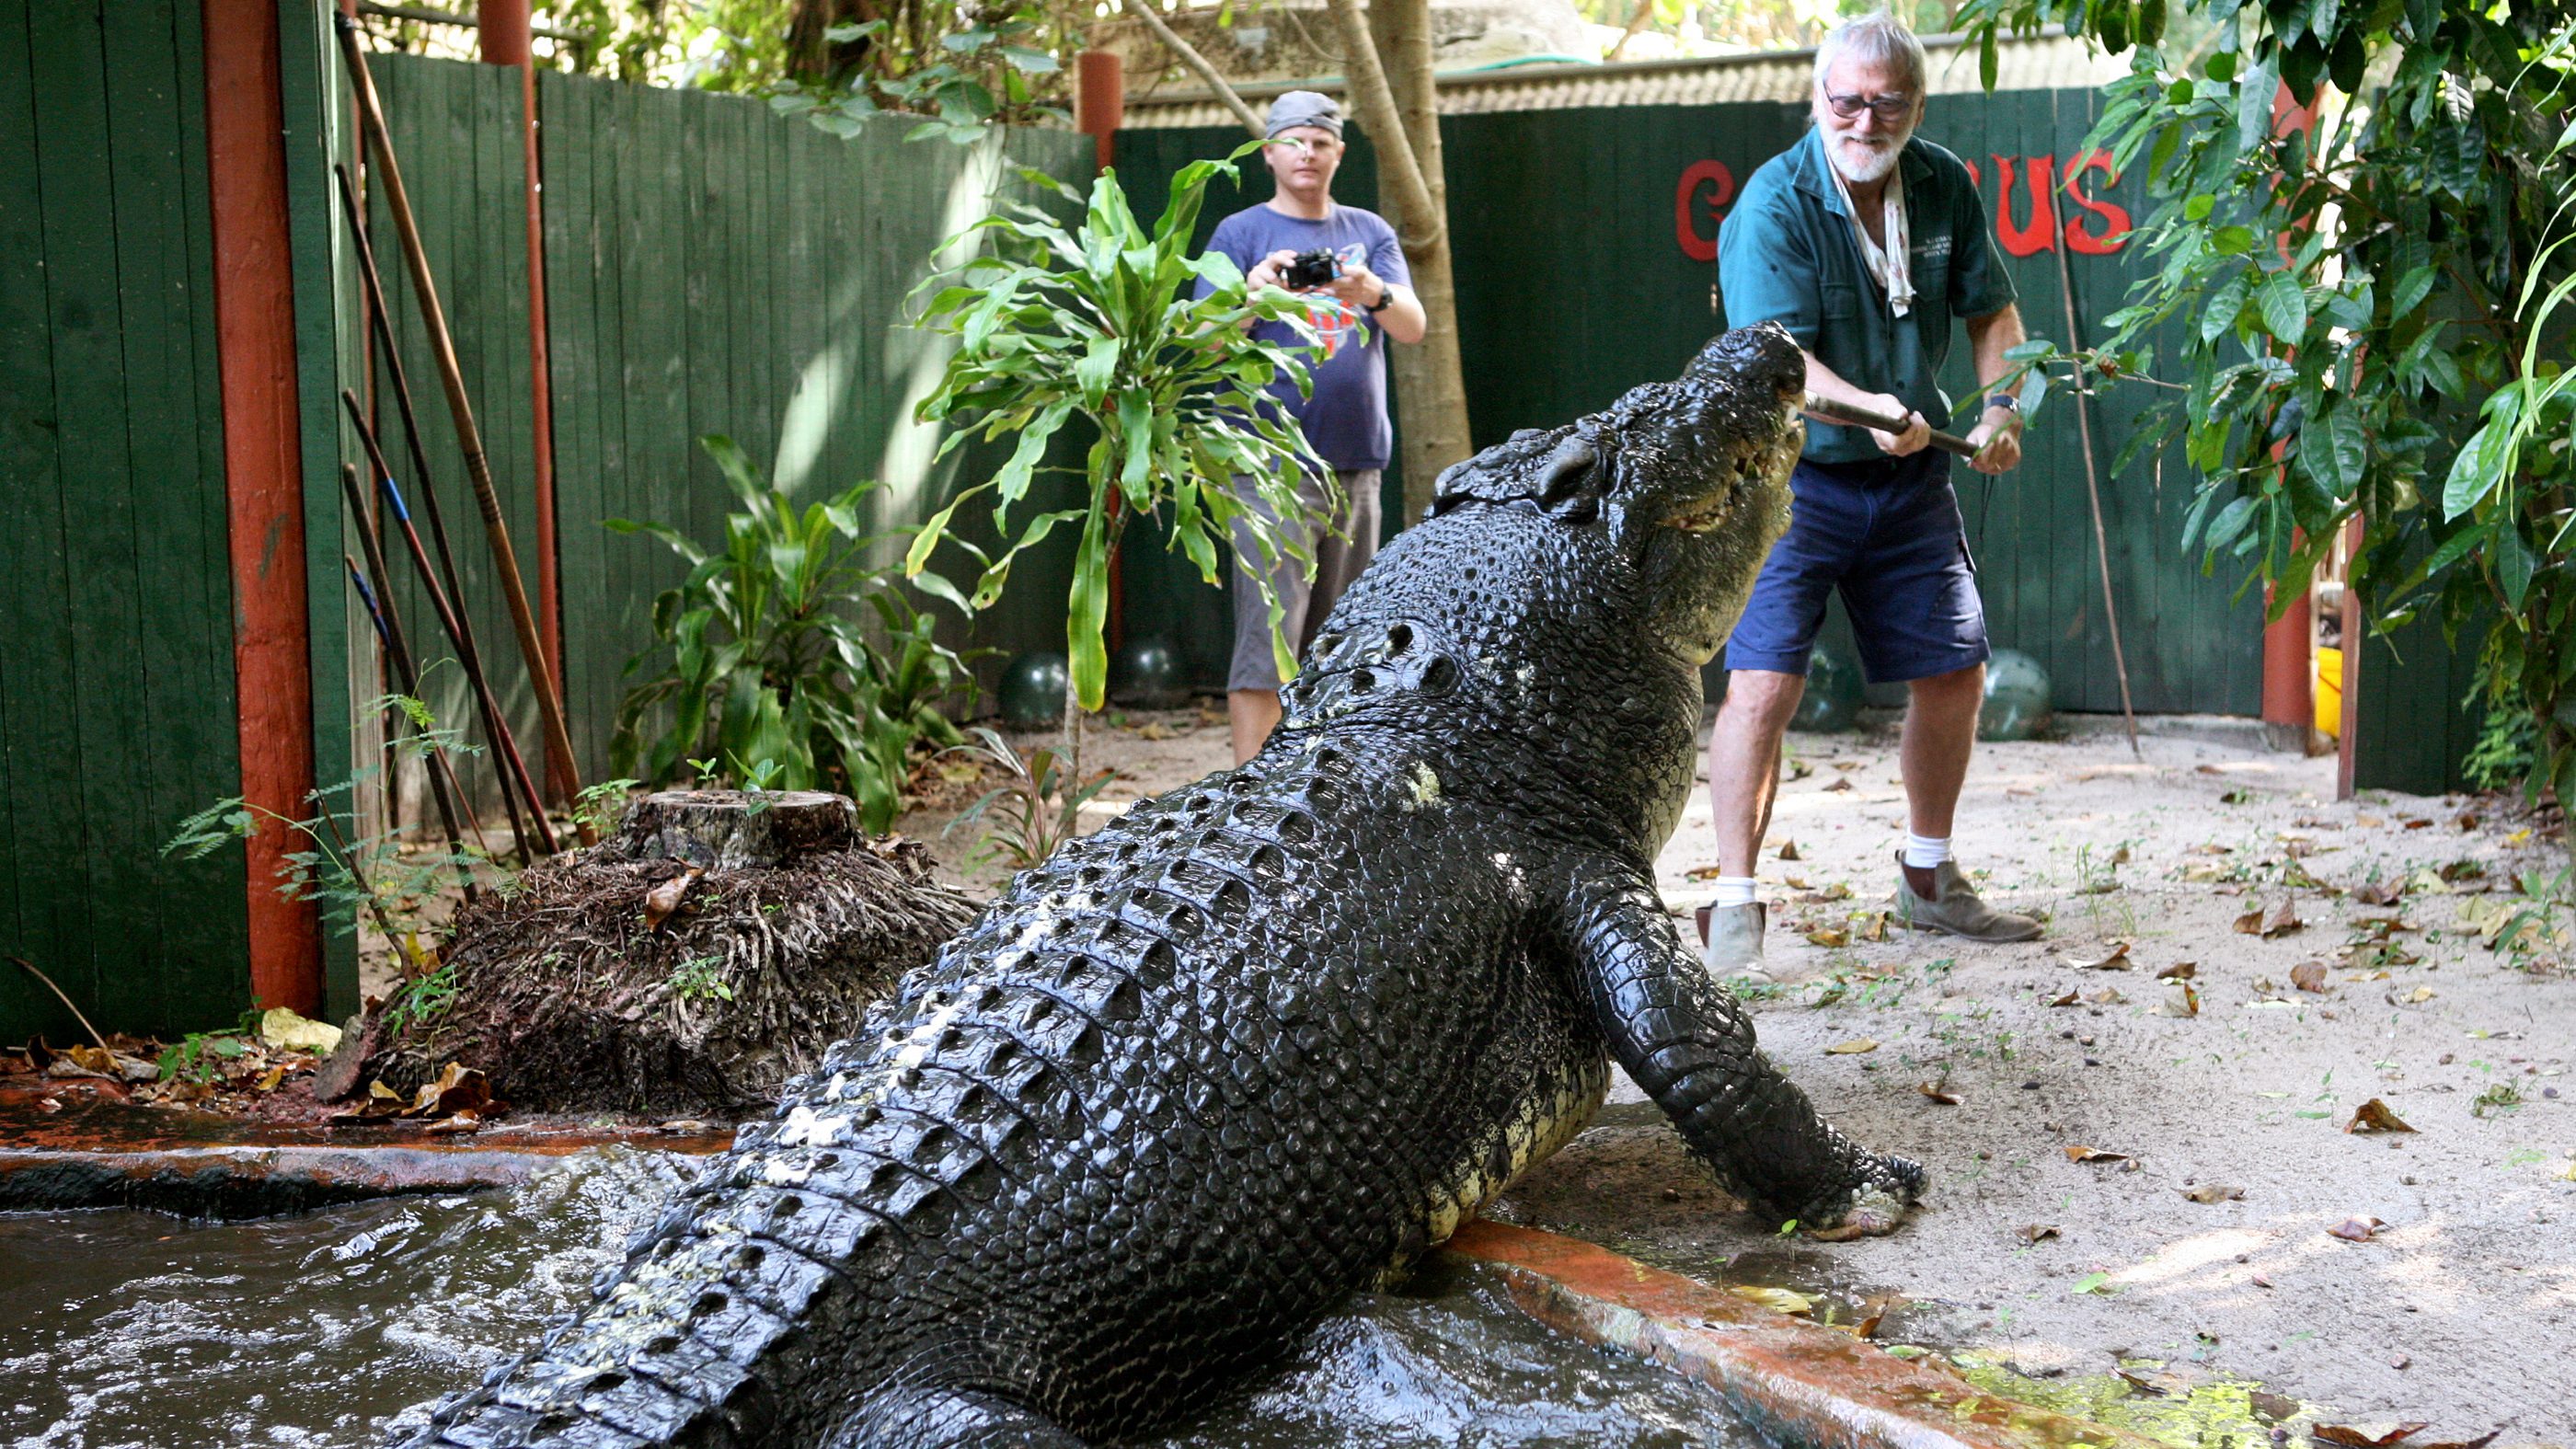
(1887, 532)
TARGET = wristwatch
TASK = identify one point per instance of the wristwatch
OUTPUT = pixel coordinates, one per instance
(2004, 400)
(1385, 295)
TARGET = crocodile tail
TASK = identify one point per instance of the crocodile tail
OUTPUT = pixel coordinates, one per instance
(916, 1417)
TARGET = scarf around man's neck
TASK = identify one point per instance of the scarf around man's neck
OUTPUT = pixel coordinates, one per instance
(1891, 266)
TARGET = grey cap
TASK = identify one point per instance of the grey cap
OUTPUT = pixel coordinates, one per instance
(1304, 108)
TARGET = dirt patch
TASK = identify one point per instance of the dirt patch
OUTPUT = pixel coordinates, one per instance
(2459, 1306)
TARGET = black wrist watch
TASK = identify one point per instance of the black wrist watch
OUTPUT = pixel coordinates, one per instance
(2004, 400)
(1385, 295)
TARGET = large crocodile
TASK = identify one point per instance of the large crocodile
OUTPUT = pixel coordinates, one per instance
(1269, 1037)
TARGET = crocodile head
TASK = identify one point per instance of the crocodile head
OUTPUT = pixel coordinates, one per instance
(1679, 487)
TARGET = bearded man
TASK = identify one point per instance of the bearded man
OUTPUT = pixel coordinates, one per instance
(1864, 240)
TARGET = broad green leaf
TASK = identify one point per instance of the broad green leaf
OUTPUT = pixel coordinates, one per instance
(2513, 565)
(2412, 289)
(2284, 307)
(2225, 305)
(2478, 470)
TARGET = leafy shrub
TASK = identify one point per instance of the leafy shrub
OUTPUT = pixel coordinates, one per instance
(1035, 808)
(771, 670)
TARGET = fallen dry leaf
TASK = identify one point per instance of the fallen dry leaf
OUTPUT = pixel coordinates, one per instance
(1875, 927)
(2309, 976)
(269, 1079)
(1829, 936)
(2283, 921)
(1153, 729)
(2069, 999)
(2094, 1154)
(1789, 850)
(2211, 847)
(2480, 1442)
(459, 1088)
(2189, 1005)
(2250, 923)
(2209, 1192)
(663, 899)
(2035, 1232)
(1779, 1299)
(2114, 956)
(1704, 872)
(2418, 824)
(1852, 1048)
(2179, 971)
(1838, 891)
(2365, 1436)
(2374, 1116)
(2380, 892)
(2356, 1230)
(462, 1124)
(2419, 995)
(1939, 1092)
(287, 1031)
(1841, 783)
(2107, 996)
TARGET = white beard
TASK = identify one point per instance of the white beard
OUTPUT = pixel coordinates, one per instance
(1866, 165)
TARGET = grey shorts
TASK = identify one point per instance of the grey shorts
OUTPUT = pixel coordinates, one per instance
(1340, 553)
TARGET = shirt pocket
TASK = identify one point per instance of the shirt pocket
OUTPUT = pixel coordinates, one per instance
(1838, 302)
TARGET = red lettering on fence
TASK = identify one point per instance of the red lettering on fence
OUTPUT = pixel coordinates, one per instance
(2115, 219)
(2039, 234)
(1686, 201)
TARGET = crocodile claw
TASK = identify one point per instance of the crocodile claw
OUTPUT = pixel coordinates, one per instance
(1873, 1208)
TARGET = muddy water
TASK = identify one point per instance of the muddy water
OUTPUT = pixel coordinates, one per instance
(123, 1329)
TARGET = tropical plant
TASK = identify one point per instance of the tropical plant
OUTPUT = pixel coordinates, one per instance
(1103, 322)
(343, 867)
(1037, 807)
(964, 66)
(2361, 245)
(765, 667)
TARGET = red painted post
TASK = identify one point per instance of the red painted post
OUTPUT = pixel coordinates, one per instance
(1100, 101)
(502, 31)
(504, 37)
(2289, 684)
(263, 477)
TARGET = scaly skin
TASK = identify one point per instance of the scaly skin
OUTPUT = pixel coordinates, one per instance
(1270, 1037)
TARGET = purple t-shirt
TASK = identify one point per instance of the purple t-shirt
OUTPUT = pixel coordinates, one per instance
(1345, 419)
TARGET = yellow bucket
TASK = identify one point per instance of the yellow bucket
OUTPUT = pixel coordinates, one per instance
(2330, 692)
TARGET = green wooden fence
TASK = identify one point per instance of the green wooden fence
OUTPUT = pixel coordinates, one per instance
(712, 267)
(116, 662)
(1574, 284)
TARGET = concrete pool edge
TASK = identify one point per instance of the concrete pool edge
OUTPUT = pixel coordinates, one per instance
(1798, 1382)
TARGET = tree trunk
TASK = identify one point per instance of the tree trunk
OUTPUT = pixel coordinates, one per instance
(734, 829)
(1401, 108)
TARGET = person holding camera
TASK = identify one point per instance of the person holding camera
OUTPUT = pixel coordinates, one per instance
(1864, 241)
(1346, 262)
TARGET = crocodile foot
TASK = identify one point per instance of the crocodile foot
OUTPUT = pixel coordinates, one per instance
(1873, 1207)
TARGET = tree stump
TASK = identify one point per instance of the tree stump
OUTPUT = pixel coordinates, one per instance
(733, 830)
(688, 965)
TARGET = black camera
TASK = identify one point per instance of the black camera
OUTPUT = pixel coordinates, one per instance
(1310, 269)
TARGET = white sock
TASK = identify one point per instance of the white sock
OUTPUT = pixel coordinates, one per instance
(1735, 890)
(1925, 851)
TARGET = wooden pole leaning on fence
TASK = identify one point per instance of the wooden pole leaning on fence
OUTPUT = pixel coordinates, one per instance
(469, 438)
(2093, 495)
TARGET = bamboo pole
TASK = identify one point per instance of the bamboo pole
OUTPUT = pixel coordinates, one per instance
(469, 438)
(2093, 494)
(514, 769)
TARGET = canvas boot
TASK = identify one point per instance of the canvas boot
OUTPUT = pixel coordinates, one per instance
(1955, 908)
(1731, 938)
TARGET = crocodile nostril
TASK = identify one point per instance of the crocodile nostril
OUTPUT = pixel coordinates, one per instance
(1398, 639)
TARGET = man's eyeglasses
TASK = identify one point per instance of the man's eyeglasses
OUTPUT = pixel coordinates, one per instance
(1891, 107)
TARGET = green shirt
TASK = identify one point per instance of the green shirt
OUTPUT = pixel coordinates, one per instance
(1786, 254)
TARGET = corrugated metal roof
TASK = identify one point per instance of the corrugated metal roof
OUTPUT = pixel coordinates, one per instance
(2041, 63)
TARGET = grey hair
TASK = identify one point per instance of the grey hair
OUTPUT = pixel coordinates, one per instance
(1878, 38)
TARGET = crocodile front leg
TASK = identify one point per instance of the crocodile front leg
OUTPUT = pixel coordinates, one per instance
(1689, 1043)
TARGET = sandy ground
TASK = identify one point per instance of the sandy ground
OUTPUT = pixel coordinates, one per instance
(2460, 1309)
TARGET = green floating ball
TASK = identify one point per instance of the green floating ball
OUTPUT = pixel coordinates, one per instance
(1147, 675)
(1832, 700)
(2018, 697)
(1033, 689)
